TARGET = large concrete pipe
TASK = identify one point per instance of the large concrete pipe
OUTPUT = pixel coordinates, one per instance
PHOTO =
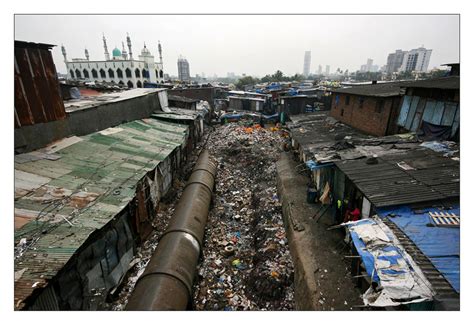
(166, 283)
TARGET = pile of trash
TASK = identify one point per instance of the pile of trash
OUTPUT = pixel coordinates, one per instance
(246, 262)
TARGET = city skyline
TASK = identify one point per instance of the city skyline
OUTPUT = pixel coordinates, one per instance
(244, 54)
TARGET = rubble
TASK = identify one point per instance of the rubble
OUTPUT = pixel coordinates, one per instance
(246, 261)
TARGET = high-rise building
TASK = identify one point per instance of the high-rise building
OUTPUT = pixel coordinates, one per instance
(413, 60)
(183, 69)
(320, 70)
(416, 60)
(328, 68)
(369, 64)
(394, 61)
(368, 67)
(307, 63)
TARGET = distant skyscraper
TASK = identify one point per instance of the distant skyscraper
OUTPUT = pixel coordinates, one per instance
(369, 64)
(394, 61)
(183, 69)
(307, 63)
(416, 60)
(368, 67)
(320, 70)
(328, 68)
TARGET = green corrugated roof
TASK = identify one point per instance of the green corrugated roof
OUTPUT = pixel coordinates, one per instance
(104, 169)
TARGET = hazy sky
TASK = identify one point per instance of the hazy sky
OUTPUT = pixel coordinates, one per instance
(255, 45)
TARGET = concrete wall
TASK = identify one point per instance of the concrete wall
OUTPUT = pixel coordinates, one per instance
(368, 118)
(86, 121)
(206, 94)
(111, 114)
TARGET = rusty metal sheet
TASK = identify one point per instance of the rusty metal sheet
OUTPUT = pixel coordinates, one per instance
(37, 94)
(40, 82)
(57, 104)
(23, 114)
(31, 92)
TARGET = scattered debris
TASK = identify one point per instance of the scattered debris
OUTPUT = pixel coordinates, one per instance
(245, 229)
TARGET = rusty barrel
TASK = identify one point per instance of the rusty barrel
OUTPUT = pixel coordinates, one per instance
(166, 283)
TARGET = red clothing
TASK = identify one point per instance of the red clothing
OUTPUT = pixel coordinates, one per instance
(355, 214)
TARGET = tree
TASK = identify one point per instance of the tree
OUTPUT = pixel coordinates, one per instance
(246, 81)
(278, 76)
(267, 78)
(297, 77)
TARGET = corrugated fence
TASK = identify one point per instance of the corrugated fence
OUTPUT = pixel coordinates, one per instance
(37, 94)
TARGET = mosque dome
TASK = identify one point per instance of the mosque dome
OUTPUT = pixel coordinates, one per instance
(145, 51)
(116, 52)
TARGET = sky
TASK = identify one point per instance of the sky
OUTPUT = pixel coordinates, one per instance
(252, 44)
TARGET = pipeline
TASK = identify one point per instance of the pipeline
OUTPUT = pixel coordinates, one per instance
(166, 283)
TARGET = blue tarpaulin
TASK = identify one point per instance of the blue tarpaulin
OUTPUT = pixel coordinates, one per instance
(312, 165)
(398, 279)
(440, 244)
(367, 258)
(271, 118)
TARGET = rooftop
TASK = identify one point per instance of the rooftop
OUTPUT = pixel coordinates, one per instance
(68, 190)
(438, 83)
(413, 176)
(182, 99)
(249, 98)
(24, 44)
(387, 89)
(94, 101)
(406, 172)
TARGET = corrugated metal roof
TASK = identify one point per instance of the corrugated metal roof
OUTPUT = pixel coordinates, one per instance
(25, 44)
(182, 99)
(388, 89)
(59, 203)
(394, 88)
(432, 178)
(323, 139)
(438, 83)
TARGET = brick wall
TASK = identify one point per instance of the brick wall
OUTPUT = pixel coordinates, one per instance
(373, 116)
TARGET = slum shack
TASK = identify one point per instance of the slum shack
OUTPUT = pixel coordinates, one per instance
(87, 183)
(249, 101)
(411, 199)
(298, 104)
(246, 104)
(205, 93)
(431, 108)
(182, 102)
(372, 109)
(192, 118)
(372, 181)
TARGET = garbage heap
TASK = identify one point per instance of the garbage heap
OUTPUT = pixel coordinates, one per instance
(246, 262)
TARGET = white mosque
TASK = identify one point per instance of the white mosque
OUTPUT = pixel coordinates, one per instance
(122, 68)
